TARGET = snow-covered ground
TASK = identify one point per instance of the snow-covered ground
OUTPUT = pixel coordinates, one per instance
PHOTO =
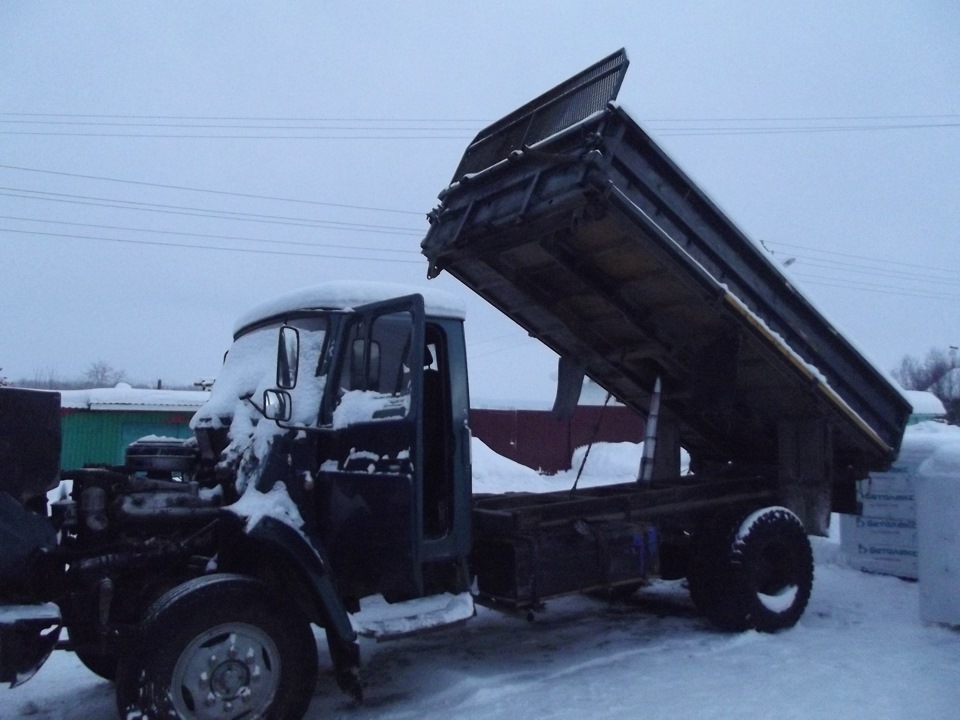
(860, 651)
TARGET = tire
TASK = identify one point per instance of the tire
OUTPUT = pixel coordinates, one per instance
(219, 646)
(103, 658)
(707, 559)
(103, 665)
(756, 575)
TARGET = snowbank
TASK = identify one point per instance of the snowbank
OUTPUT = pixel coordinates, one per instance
(606, 464)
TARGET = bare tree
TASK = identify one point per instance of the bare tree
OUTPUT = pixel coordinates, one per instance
(45, 379)
(935, 374)
(103, 374)
(916, 374)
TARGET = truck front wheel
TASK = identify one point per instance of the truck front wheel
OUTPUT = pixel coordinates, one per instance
(219, 646)
(103, 664)
(758, 574)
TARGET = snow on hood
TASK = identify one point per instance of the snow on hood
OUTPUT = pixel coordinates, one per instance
(276, 503)
(248, 369)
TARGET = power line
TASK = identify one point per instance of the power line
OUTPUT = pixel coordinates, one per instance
(203, 212)
(276, 118)
(802, 118)
(241, 126)
(207, 190)
(785, 124)
(807, 248)
(210, 236)
(879, 289)
(237, 118)
(188, 136)
(205, 247)
(665, 132)
(849, 269)
(693, 132)
(842, 267)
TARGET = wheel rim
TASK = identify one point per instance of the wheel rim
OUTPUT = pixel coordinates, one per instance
(776, 569)
(776, 581)
(230, 671)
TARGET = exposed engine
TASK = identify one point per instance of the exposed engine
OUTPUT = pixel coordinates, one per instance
(109, 541)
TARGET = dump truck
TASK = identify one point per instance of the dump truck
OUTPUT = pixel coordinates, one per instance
(332, 463)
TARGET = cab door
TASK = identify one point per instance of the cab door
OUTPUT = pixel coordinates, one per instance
(369, 481)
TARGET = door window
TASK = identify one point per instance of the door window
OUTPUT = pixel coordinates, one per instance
(375, 380)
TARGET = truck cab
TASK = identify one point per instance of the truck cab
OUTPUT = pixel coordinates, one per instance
(367, 390)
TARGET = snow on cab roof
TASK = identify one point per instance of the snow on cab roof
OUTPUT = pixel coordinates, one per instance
(346, 294)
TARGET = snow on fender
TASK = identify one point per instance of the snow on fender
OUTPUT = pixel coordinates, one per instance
(756, 573)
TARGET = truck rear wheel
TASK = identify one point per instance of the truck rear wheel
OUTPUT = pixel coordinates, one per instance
(219, 646)
(758, 574)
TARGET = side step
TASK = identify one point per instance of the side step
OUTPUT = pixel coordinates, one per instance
(384, 621)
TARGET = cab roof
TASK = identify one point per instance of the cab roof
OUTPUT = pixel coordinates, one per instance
(348, 294)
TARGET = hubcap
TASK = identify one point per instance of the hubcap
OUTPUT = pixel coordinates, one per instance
(229, 672)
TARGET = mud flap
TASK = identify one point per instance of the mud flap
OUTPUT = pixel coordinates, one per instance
(23, 535)
(345, 655)
(806, 473)
(28, 634)
(280, 539)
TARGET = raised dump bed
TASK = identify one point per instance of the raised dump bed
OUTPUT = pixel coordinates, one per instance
(570, 219)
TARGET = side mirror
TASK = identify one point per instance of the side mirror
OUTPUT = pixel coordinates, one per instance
(288, 357)
(277, 405)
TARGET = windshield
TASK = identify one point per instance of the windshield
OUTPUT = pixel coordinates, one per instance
(250, 367)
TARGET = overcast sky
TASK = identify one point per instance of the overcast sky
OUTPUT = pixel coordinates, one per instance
(152, 186)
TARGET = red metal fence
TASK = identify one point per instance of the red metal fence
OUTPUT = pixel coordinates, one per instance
(535, 439)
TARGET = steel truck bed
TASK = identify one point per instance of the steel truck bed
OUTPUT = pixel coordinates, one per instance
(567, 217)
